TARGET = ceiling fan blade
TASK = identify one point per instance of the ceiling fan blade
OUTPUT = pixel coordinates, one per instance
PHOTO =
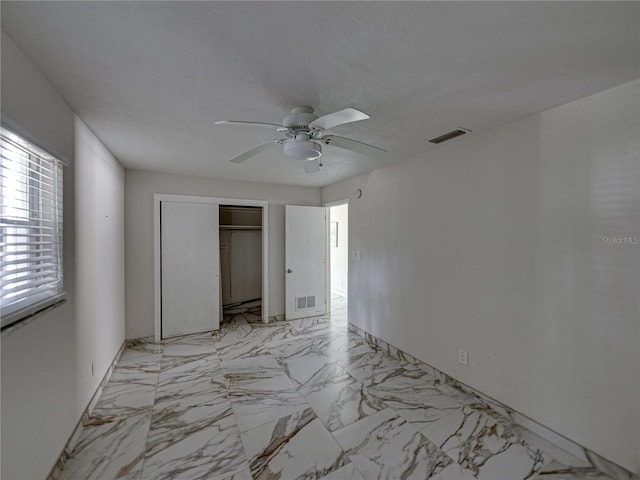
(354, 146)
(252, 151)
(248, 124)
(311, 166)
(341, 117)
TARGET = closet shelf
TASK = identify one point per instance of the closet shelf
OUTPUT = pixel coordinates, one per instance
(241, 227)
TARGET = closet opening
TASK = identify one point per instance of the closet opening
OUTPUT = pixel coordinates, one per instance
(241, 261)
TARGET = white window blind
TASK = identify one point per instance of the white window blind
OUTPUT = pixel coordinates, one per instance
(30, 227)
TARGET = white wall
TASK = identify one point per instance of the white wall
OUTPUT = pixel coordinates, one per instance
(139, 189)
(493, 243)
(340, 254)
(46, 364)
(99, 189)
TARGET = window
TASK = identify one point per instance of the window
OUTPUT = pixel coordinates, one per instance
(30, 228)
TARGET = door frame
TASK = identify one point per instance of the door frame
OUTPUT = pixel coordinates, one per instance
(158, 198)
(328, 205)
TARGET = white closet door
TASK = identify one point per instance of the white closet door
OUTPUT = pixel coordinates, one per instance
(190, 268)
(306, 236)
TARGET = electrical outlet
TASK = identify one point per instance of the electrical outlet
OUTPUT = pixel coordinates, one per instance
(463, 357)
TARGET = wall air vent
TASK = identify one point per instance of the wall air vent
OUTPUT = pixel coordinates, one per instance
(448, 136)
(305, 302)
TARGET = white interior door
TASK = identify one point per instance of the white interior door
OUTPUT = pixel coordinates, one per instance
(305, 261)
(190, 264)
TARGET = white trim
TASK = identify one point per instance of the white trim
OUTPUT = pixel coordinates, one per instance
(336, 203)
(163, 197)
(23, 317)
(157, 284)
(77, 431)
(327, 261)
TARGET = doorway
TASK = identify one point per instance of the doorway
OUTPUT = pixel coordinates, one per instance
(339, 257)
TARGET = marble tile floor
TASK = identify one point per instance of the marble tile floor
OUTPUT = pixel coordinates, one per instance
(304, 399)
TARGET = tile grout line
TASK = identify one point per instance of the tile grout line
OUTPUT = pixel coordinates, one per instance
(64, 456)
(387, 407)
(596, 461)
(228, 397)
(344, 454)
(300, 331)
(155, 393)
(284, 371)
(385, 349)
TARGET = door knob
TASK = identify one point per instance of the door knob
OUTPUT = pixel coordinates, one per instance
(289, 270)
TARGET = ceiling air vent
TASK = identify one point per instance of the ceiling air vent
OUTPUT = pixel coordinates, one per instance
(450, 135)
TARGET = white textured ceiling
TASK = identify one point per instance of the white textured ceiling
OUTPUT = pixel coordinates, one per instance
(150, 78)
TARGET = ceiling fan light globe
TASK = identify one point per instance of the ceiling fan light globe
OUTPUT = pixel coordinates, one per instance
(303, 150)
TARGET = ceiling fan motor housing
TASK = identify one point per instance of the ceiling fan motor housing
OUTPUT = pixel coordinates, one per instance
(300, 118)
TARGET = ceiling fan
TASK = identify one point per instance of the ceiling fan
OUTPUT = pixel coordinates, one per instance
(304, 132)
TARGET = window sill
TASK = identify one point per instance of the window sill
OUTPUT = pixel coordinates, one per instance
(19, 319)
